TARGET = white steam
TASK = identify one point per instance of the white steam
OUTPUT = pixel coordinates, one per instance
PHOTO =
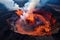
(29, 7)
(10, 4)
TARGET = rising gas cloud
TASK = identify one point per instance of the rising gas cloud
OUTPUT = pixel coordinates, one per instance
(10, 4)
(29, 6)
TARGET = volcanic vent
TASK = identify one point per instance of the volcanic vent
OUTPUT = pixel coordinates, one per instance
(34, 24)
(32, 21)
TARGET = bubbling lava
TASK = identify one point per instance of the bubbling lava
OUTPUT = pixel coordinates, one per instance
(34, 25)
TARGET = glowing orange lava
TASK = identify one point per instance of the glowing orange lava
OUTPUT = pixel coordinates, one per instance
(40, 30)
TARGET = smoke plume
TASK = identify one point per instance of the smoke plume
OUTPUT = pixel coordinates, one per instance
(29, 6)
(10, 4)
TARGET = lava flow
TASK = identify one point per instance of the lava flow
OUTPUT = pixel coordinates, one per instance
(34, 25)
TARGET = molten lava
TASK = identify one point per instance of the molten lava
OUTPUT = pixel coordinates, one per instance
(40, 25)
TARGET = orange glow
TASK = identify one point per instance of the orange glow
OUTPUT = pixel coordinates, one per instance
(40, 30)
(30, 18)
(19, 12)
